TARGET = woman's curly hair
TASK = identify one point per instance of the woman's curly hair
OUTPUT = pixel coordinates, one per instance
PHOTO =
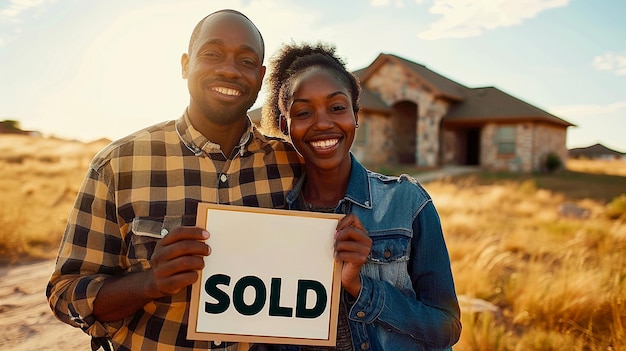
(288, 62)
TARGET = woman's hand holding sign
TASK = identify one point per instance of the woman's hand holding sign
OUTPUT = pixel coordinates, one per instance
(352, 246)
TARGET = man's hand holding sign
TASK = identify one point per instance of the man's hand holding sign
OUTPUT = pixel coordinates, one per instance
(173, 262)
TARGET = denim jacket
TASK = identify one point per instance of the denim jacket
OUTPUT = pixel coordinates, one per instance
(407, 299)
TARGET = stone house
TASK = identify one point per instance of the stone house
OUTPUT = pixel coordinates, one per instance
(412, 115)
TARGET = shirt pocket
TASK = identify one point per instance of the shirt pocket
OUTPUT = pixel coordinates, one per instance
(389, 257)
(145, 233)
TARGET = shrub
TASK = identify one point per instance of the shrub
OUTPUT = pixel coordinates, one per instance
(552, 162)
(617, 207)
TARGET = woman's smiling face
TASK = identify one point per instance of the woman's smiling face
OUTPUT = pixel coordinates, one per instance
(320, 117)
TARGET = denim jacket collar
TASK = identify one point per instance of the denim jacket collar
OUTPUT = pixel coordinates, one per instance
(358, 191)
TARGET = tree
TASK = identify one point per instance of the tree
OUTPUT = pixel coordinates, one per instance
(10, 126)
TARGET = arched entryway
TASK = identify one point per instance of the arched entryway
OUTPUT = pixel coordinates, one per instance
(404, 124)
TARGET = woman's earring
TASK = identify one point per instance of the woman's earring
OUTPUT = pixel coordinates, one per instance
(357, 124)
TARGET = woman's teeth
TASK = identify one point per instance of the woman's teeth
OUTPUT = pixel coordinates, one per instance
(324, 144)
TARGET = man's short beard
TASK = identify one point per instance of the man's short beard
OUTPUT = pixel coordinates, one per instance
(225, 115)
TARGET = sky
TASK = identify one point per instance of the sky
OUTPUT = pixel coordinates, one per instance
(90, 69)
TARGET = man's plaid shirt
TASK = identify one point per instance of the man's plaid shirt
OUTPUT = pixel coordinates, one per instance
(135, 191)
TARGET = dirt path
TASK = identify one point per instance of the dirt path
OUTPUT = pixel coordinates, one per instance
(26, 322)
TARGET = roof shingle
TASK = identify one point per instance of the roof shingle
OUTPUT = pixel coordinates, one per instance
(490, 103)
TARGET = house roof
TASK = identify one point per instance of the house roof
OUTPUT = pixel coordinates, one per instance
(370, 101)
(439, 85)
(490, 103)
(597, 150)
(469, 105)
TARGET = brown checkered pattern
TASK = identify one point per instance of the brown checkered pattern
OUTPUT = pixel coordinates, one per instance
(137, 189)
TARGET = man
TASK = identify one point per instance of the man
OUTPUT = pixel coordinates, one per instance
(130, 251)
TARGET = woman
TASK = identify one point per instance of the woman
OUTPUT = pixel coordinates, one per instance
(398, 290)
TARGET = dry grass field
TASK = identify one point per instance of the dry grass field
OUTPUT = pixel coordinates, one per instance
(552, 265)
(39, 180)
(611, 167)
(539, 260)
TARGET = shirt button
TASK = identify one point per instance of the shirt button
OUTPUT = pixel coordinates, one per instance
(164, 232)
(365, 346)
(223, 178)
(360, 314)
(387, 254)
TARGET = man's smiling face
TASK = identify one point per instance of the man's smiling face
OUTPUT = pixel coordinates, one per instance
(224, 70)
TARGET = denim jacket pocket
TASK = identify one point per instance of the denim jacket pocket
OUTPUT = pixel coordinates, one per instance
(389, 248)
(389, 257)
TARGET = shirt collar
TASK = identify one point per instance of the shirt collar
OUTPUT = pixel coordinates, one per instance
(197, 143)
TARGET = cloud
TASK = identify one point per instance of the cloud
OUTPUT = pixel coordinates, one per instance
(589, 110)
(611, 62)
(396, 3)
(376, 3)
(15, 8)
(470, 18)
(11, 17)
(596, 123)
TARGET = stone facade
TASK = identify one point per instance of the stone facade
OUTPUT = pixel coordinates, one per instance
(397, 86)
(549, 139)
(533, 142)
(374, 141)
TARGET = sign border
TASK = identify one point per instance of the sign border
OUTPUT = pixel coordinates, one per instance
(193, 334)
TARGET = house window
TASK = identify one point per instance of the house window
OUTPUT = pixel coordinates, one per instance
(362, 133)
(505, 139)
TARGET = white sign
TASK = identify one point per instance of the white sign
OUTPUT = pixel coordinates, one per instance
(271, 277)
